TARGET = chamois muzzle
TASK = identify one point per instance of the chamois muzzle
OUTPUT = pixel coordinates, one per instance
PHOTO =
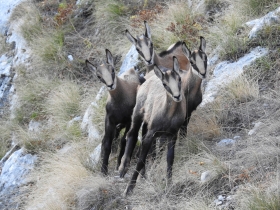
(110, 87)
(177, 98)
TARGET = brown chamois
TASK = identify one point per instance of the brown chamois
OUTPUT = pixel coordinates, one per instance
(198, 60)
(162, 116)
(144, 47)
(119, 107)
(161, 105)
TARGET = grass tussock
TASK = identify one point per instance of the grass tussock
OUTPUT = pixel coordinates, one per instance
(63, 102)
(32, 96)
(259, 7)
(57, 180)
(178, 22)
(5, 137)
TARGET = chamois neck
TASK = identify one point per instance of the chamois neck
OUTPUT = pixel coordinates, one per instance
(171, 106)
(116, 94)
(155, 61)
(191, 82)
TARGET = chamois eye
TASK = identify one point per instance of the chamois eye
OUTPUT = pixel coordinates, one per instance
(98, 77)
(164, 84)
(179, 79)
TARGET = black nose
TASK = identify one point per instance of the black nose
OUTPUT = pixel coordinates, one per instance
(110, 86)
(177, 97)
(150, 62)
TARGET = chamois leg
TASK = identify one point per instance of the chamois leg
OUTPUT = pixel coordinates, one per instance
(144, 132)
(115, 144)
(122, 145)
(146, 145)
(110, 129)
(170, 156)
(132, 137)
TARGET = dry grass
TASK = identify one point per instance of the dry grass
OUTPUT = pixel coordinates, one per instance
(57, 180)
(54, 90)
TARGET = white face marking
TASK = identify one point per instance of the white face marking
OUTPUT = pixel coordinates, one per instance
(106, 75)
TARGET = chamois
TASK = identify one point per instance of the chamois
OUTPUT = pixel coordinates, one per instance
(198, 60)
(119, 107)
(163, 107)
(144, 47)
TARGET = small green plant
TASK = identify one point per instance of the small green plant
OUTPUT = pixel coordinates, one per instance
(116, 9)
(260, 200)
(259, 7)
(268, 37)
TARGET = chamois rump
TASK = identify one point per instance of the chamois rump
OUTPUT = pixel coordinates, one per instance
(144, 47)
(162, 105)
(119, 106)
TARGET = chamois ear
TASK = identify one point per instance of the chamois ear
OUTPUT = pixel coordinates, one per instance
(90, 66)
(158, 72)
(130, 37)
(147, 30)
(176, 66)
(202, 44)
(186, 50)
(110, 59)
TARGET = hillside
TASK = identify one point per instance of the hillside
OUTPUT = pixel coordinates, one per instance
(230, 156)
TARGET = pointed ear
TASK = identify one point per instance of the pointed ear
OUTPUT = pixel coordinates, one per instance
(147, 30)
(202, 44)
(176, 66)
(186, 50)
(110, 59)
(90, 66)
(158, 72)
(130, 37)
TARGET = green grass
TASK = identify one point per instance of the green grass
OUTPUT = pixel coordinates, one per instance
(259, 7)
(261, 201)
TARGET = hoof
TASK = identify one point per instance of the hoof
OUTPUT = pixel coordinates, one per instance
(123, 167)
(128, 191)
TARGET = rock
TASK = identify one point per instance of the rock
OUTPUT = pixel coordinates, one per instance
(74, 120)
(257, 126)
(87, 124)
(237, 137)
(226, 142)
(218, 202)
(34, 126)
(225, 72)
(221, 197)
(206, 176)
(95, 156)
(70, 57)
(13, 176)
(130, 60)
(268, 19)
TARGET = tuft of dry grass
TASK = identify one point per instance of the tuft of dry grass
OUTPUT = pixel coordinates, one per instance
(178, 22)
(57, 179)
(63, 102)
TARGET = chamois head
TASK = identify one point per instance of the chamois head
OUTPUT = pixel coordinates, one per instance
(171, 80)
(197, 58)
(144, 45)
(106, 71)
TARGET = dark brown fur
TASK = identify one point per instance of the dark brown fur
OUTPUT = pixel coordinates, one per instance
(120, 102)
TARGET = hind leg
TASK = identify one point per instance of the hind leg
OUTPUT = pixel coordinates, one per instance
(122, 145)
